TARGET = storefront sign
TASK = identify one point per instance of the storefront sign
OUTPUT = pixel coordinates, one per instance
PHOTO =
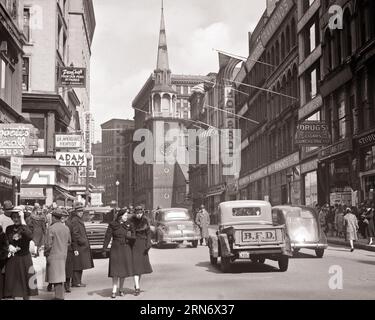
(98, 189)
(313, 133)
(68, 141)
(335, 149)
(216, 190)
(283, 164)
(276, 20)
(6, 181)
(309, 166)
(92, 174)
(15, 166)
(72, 159)
(96, 199)
(87, 129)
(367, 140)
(17, 139)
(32, 193)
(72, 77)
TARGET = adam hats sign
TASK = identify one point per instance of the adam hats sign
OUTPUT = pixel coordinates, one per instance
(72, 159)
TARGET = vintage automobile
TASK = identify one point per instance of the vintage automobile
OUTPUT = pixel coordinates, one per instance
(303, 228)
(174, 226)
(246, 231)
(96, 223)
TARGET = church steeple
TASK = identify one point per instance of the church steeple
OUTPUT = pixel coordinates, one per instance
(162, 72)
(162, 62)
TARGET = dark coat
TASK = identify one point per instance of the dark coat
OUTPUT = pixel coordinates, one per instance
(81, 244)
(120, 258)
(3, 259)
(142, 244)
(37, 224)
(370, 228)
(70, 254)
(19, 268)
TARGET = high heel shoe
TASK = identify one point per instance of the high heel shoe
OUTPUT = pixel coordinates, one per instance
(137, 291)
(113, 296)
(122, 293)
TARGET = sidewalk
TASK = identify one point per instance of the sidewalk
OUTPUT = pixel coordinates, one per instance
(359, 244)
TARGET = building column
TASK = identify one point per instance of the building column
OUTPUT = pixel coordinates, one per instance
(51, 128)
(369, 114)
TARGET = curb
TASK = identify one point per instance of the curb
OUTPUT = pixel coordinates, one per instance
(356, 245)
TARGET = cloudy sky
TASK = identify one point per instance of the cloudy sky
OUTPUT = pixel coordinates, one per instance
(126, 38)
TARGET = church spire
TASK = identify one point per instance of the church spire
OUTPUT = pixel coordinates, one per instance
(162, 62)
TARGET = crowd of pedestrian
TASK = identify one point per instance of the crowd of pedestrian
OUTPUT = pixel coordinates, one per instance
(348, 222)
(57, 233)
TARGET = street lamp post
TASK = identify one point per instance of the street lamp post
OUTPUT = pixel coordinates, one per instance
(117, 185)
(88, 158)
(289, 180)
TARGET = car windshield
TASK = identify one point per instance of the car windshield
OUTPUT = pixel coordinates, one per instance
(176, 215)
(245, 212)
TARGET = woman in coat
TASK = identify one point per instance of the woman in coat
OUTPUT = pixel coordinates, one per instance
(351, 226)
(3, 259)
(56, 249)
(81, 247)
(19, 269)
(120, 266)
(369, 222)
(141, 247)
(203, 221)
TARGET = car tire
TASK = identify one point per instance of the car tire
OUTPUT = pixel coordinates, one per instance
(225, 264)
(283, 263)
(213, 260)
(194, 243)
(319, 253)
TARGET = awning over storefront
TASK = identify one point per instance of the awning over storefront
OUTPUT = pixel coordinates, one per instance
(32, 193)
(65, 195)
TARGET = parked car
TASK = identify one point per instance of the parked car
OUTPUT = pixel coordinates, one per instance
(303, 227)
(246, 231)
(174, 225)
(96, 223)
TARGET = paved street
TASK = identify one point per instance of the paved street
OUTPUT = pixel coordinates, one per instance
(185, 273)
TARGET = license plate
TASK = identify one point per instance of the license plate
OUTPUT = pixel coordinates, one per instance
(259, 236)
(180, 227)
(244, 255)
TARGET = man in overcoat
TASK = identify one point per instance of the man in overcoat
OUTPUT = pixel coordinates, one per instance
(56, 248)
(203, 221)
(82, 254)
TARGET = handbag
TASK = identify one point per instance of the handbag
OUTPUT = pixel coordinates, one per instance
(365, 221)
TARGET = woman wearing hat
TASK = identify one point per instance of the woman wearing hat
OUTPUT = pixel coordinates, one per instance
(142, 244)
(121, 231)
(351, 226)
(19, 269)
(56, 248)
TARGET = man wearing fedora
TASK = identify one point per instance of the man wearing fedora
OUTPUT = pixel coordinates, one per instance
(82, 259)
(56, 249)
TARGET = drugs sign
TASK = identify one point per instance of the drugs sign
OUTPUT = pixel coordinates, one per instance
(72, 77)
(313, 133)
(72, 159)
